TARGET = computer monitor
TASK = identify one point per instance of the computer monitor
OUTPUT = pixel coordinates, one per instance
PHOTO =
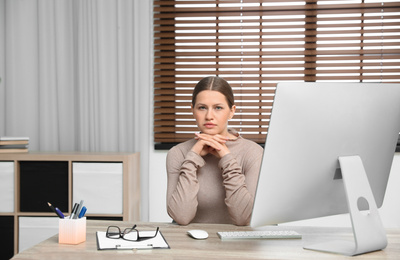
(328, 146)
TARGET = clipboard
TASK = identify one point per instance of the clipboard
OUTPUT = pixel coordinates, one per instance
(105, 243)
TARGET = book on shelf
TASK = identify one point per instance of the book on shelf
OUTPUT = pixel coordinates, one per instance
(16, 142)
(10, 144)
(14, 138)
(17, 150)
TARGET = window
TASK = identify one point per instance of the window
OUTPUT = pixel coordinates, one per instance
(255, 44)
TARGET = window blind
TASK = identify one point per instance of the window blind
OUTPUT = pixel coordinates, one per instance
(255, 44)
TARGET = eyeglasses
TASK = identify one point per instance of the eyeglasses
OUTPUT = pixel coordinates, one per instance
(130, 234)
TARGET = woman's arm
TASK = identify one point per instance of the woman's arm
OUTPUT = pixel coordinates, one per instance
(240, 186)
(183, 185)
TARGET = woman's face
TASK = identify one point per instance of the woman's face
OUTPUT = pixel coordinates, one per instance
(212, 112)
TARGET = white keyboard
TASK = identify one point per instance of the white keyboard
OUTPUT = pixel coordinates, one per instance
(258, 234)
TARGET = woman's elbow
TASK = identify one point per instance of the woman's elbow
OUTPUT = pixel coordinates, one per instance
(242, 222)
(180, 219)
(241, 219)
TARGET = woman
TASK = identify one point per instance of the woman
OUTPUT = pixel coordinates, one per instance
(212, 178)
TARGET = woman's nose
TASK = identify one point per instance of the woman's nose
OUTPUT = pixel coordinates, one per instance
(209, 114)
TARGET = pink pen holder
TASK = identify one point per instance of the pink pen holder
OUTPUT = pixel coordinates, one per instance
(72, 231)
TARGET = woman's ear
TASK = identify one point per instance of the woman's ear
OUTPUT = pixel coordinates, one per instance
(233, 110)
(192, 109)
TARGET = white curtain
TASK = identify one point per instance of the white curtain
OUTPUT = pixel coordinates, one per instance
(69, 74)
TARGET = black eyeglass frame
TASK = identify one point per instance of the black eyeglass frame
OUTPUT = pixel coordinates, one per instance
(127, 231)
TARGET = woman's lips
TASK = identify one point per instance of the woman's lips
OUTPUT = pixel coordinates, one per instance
(209, 125)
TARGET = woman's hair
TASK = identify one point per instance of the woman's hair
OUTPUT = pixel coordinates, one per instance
(216, 84)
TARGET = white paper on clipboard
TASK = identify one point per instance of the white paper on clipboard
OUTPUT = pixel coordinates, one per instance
(105, 243)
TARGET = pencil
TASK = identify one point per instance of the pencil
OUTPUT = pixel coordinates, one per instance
(52, 208)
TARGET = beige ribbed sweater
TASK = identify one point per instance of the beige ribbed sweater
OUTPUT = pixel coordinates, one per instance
(211, 190)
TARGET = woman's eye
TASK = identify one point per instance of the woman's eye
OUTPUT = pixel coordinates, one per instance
(201, 108)
(218, 108)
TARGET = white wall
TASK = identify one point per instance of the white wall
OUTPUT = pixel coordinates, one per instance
(158, 187)
(390, 210)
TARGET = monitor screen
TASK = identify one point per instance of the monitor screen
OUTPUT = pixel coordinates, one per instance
(312, 125)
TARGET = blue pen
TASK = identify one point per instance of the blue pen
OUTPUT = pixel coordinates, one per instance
(83, 211)
(78, 209)
(59, 213)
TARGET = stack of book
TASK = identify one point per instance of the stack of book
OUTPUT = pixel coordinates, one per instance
(14, 144)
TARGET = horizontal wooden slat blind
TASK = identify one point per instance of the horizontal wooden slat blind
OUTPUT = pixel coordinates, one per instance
(255, 44)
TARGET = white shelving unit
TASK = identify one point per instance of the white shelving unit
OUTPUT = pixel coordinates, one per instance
(109, 184)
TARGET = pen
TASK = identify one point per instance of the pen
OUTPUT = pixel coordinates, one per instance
(59, 213)
(73, 211)
(56, 210)
(78, 210)
(83, 211)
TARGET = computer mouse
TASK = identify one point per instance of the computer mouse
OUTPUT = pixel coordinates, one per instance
(198, 234)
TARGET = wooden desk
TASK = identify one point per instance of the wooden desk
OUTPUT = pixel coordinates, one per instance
(184, 247)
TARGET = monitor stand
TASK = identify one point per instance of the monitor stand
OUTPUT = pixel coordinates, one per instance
(369, 234)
